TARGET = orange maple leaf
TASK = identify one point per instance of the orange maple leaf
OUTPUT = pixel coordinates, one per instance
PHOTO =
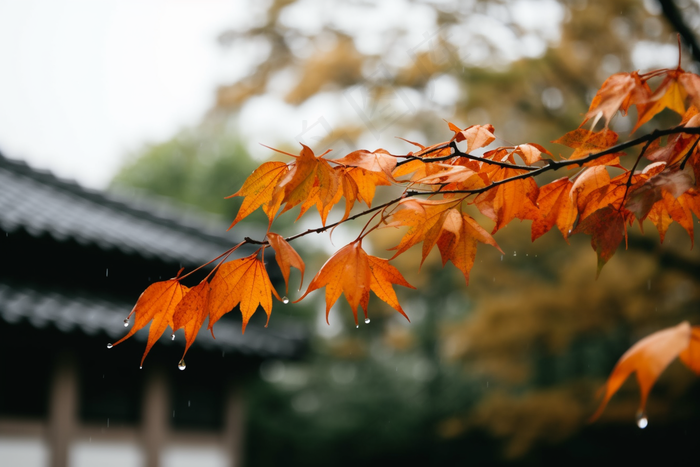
(156, 303)
(670, 94)
(286, 257)
(353, 273)
(586, 142)
(259, 190)
(243, 282)
(531, 152)
(556, 206)
(458, 239)
(618, 92)
(191, 312)
(377, 161)
(420, 216)
(514, 199)
(310, 181)
(476, 136)
(649, 357)
(667, 210)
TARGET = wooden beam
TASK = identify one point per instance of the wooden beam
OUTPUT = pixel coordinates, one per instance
(233, 435)
(63, 408)
(156, 401)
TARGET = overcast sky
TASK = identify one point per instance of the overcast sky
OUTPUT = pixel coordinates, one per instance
(83, 82)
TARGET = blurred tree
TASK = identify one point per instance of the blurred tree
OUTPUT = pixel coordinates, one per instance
(199, 166)
(508, 367)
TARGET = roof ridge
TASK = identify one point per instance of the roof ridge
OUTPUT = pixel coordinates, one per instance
(112, 200)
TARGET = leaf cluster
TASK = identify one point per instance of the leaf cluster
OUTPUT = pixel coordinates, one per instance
(439, 183)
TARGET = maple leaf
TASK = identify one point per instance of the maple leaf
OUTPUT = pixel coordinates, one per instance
(667, 210)
(377, 161)
(476, 136)
(590, 180)
(670, 94)
(420, 216)
(259, 189)
(286, 257)
(458, 240)
(691, 85)
(556, 206)
(419, 165)
(585, 142)
(310, 181)
(607, 229)
(353, 273)
(157, 303)
(191, 312)
(649, 357)
(514, 199)
(243, 282)
(618, 92)
(531, 152)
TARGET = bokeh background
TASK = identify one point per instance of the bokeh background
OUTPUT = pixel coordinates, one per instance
(174, 98)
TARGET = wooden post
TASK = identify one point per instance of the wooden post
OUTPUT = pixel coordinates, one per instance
(233, 435)
(156, 401)
(63, 408)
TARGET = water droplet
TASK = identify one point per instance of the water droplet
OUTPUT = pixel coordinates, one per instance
(366, 320)
(182, 365)
(357, 326)
(126, 322)
(140, 368)
(172, 336)
(285, 300)
(109, 346)
(515, 253)
(642, 420)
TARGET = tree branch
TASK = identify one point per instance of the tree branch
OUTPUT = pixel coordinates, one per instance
(552, 165)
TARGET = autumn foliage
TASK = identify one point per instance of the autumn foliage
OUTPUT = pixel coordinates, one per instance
(606, 188)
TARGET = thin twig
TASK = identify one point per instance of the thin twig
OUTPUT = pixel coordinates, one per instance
(552, 165)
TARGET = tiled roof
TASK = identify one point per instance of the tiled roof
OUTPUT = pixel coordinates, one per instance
(93, 316)
(40, 203)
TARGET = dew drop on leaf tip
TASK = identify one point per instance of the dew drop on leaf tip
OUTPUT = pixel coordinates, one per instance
(182, 365)
(126, 322)
(515, 253)
(642, 420)
(109, 346)
(357, 326)
(285, 300)
(366, 320)
(172, 337)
